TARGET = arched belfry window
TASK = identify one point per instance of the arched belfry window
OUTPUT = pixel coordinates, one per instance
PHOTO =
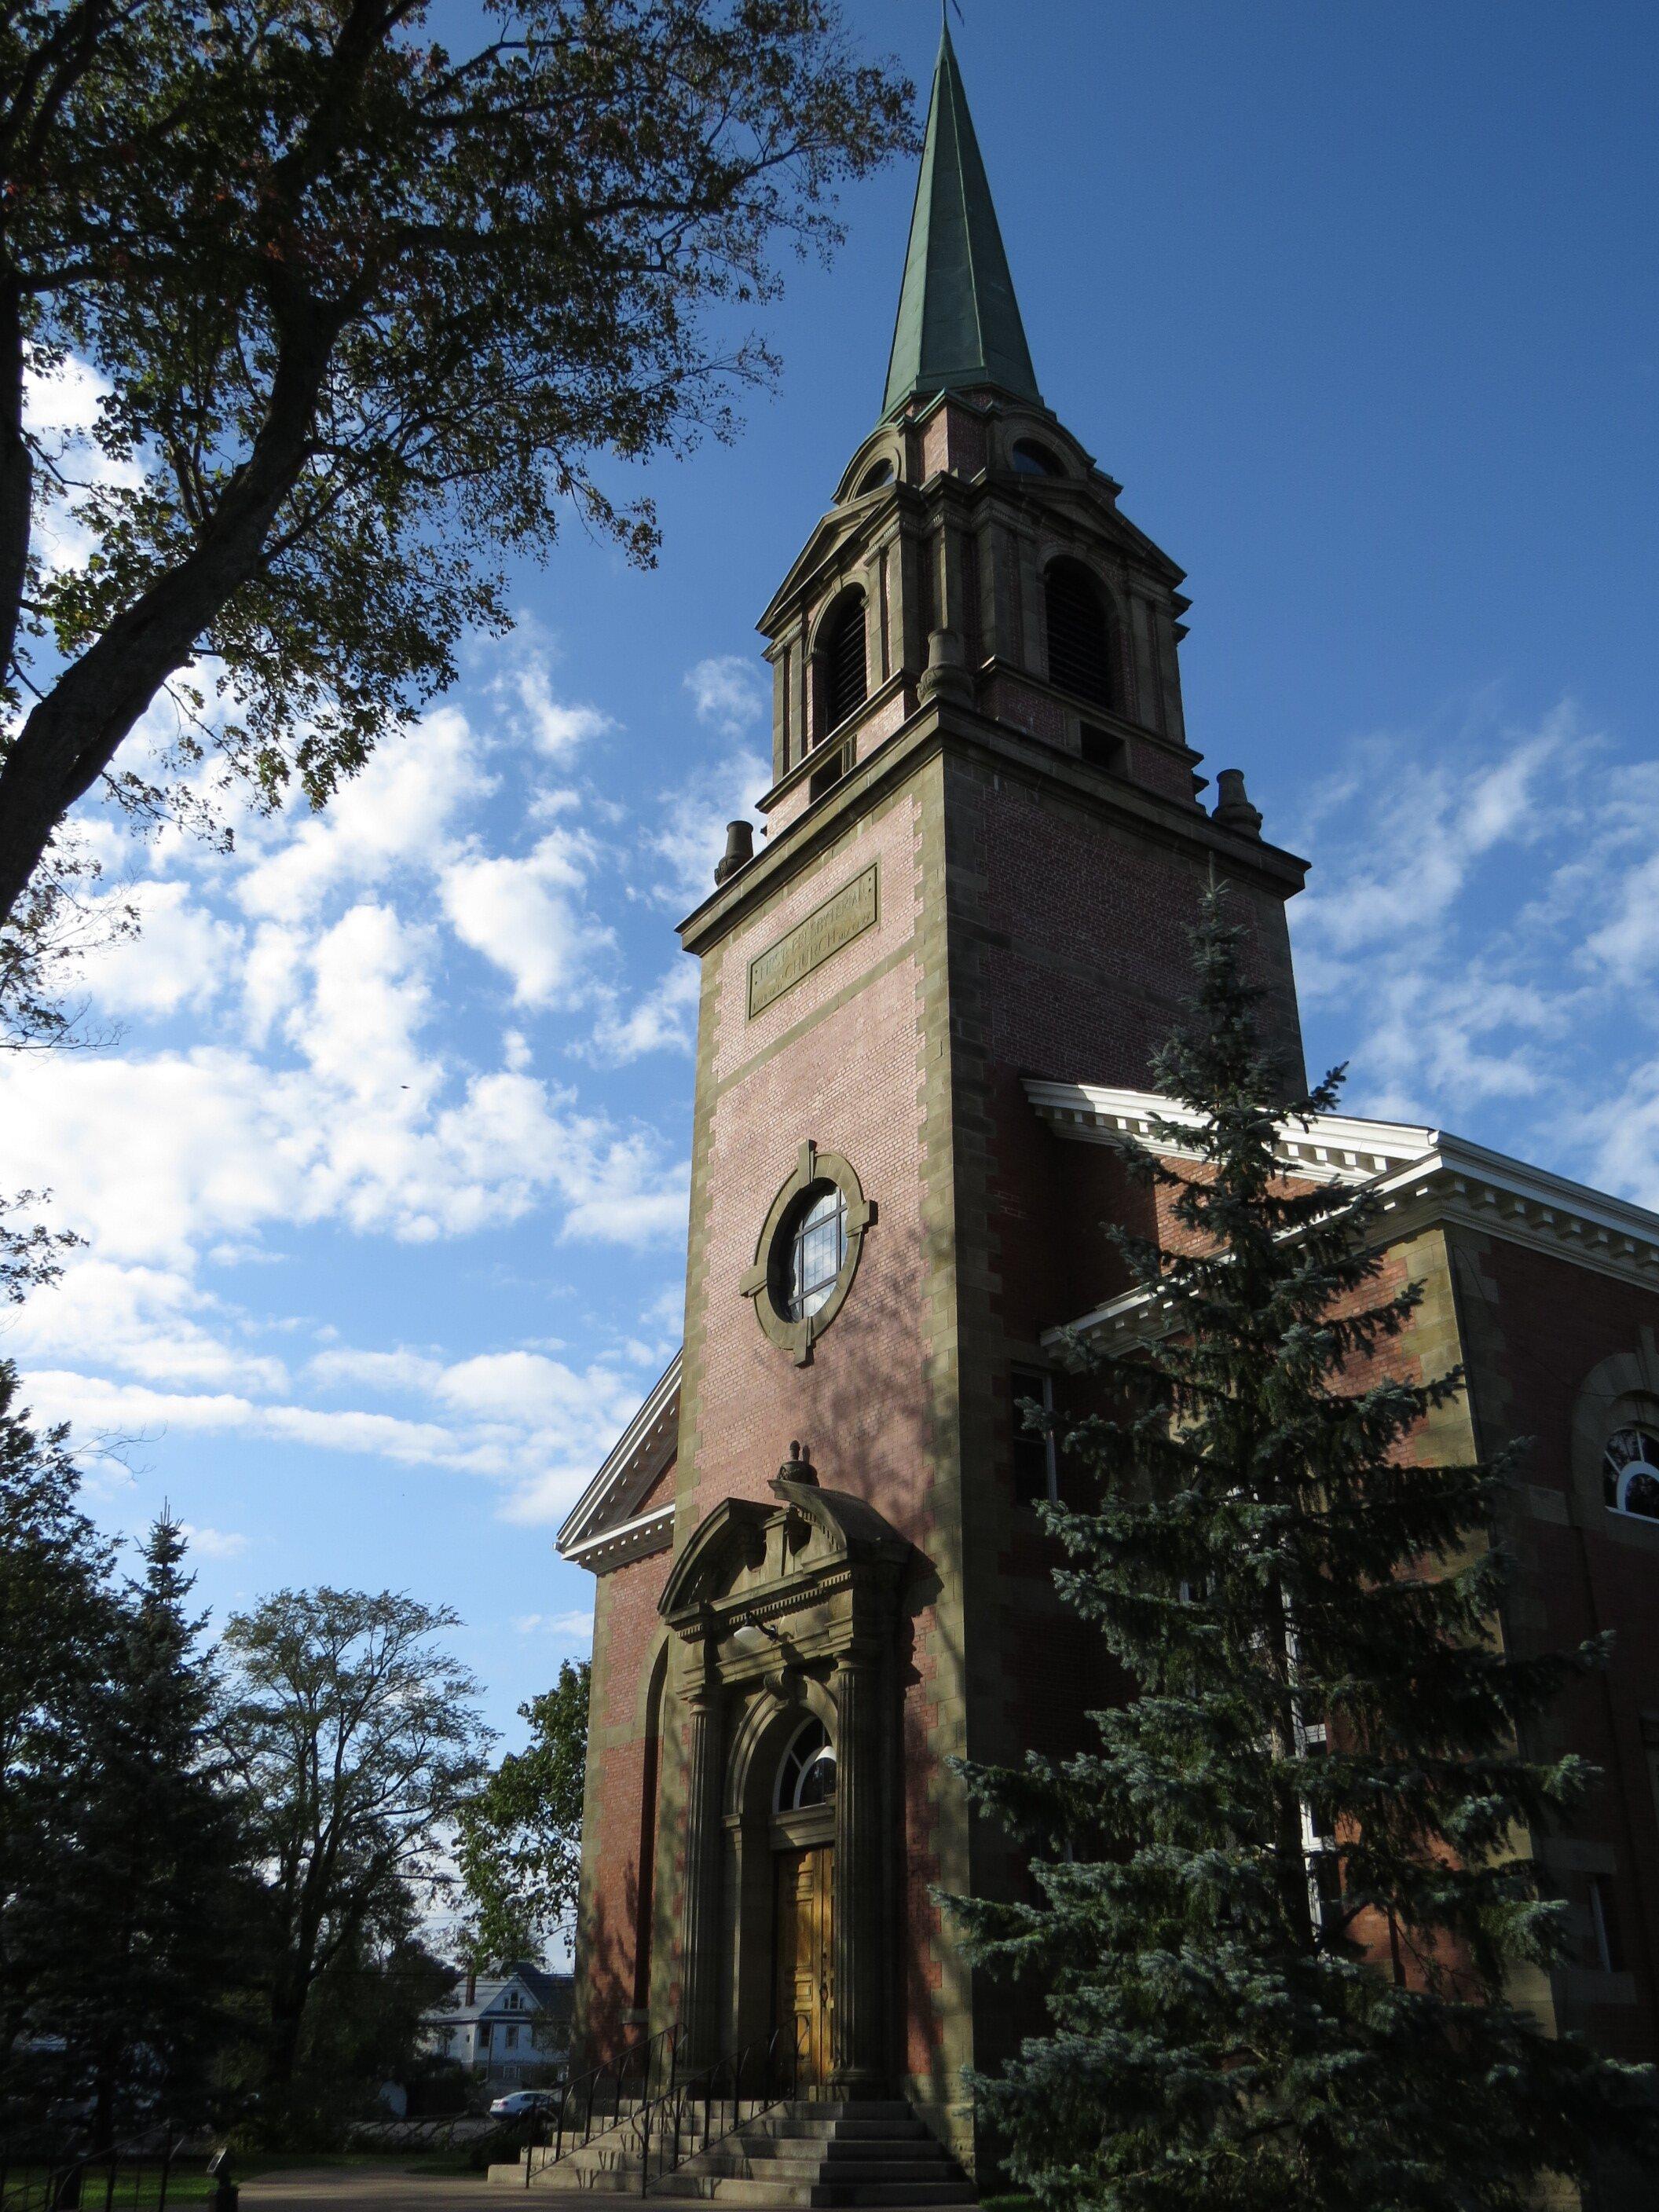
(840, 663)
(1080, 632)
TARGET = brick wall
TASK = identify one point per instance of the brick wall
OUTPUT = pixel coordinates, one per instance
(618, 1822)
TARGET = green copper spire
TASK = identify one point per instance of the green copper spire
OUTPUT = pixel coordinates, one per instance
(958, 320)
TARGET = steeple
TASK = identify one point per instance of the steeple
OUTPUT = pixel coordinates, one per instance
(958, 320)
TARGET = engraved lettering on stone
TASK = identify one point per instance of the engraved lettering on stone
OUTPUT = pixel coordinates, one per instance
(809, 943)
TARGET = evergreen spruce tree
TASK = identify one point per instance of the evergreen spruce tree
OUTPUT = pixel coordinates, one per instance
(57, 1625)
(1306, 1606)
(153, 1927)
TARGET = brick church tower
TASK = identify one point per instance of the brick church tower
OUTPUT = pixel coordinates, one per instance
(985, 839)
(949, 960)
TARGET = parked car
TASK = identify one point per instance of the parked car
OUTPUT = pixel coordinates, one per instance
(518, 2102)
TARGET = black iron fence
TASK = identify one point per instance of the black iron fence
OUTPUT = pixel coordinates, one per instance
(146, 2173)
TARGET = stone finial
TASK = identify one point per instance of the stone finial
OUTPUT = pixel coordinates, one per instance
(798, 1468)
(740, 851)
(1233, 810)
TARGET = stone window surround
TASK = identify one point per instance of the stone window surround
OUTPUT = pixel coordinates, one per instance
(798, 1337)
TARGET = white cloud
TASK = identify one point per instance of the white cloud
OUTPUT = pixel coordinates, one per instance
(526, 915)
(62, 409)
(693, 836)
(212, 1543)
(153, 1323)
(180, 956)
(369, 997)
(533, 1425)
(156, 1156)
(398, 815)
(729, 693)
(391, 1372)
(558, 728)
(1480, 936)
(314, 1074)
(575, 1628)
(664, 1019)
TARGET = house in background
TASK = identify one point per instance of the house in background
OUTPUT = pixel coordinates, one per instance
(512, 2030)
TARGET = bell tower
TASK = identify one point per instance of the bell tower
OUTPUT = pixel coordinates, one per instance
(986, 838)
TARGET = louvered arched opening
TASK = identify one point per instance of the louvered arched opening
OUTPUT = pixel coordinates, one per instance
(840, 661)
(1080, 632)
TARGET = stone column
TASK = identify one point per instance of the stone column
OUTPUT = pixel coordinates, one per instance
(700, 1945)
(861, 1945)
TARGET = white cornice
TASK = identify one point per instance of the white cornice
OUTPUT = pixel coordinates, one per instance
(1421, 1175)
(627, 1540)
(602, 1514)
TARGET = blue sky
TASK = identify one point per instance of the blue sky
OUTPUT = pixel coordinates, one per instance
(383, 1168)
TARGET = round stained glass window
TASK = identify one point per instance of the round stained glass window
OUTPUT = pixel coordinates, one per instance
(810, 1251)
(806, 1776)
(1630, 1474)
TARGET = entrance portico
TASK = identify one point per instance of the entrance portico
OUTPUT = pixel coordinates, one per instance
(783, 1619)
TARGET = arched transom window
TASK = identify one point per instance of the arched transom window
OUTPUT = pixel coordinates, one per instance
(1630, 1474)
(807, 1773)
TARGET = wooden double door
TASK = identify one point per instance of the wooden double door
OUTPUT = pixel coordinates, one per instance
(805, 1953)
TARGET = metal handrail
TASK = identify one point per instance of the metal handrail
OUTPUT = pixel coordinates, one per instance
(582, 2100)
(757, 2065)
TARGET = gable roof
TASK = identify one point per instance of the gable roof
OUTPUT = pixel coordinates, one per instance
(605, 1527)
(1421, 1174)
(958, 322)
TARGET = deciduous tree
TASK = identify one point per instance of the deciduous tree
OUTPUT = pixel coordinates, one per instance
(355, 1739)
(371, 314)
(520, 1845)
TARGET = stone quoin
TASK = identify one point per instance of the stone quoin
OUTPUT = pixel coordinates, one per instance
(929, 1000)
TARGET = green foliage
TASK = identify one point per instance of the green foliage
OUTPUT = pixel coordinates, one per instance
(355, 1741)
(519, 1845)
(1272, 1556)
(373, 316)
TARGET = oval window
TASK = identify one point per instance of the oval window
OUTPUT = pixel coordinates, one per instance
(876, 476)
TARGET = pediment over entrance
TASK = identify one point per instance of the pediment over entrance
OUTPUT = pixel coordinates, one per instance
(751, 1563)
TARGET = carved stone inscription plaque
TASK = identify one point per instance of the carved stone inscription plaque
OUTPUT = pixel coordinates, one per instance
(845, 915)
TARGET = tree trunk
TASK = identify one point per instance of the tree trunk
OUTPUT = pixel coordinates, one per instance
(72, 735)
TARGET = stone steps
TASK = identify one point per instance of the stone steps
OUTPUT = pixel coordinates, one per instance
(800, 2155)
(811, 2155)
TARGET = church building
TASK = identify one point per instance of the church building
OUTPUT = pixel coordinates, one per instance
(930, 996)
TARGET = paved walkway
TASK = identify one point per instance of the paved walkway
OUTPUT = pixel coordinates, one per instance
(388, 2189)
(371, 2189)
